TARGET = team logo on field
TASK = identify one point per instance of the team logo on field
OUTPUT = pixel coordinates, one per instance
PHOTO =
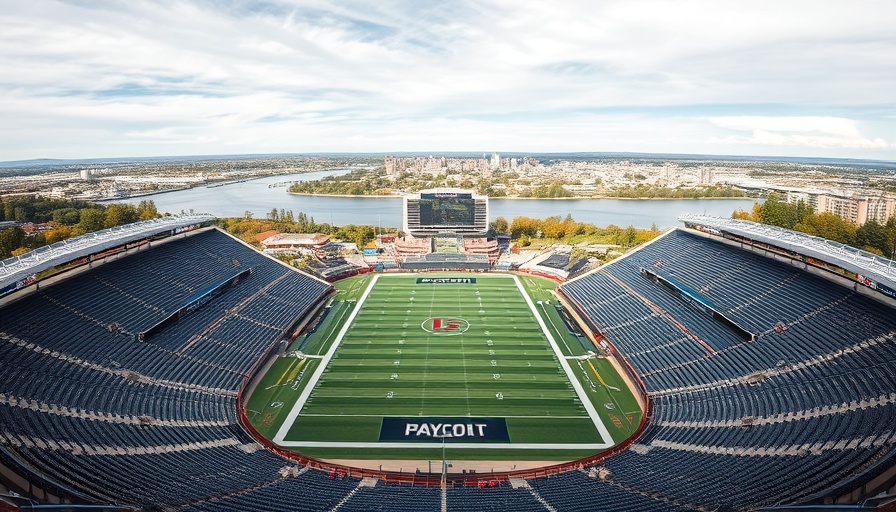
(446, 326)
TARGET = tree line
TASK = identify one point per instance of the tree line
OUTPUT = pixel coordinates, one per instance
(282, 220)
(363, 182)
(567, 230)
(643, 191)
(871, 236)
(360, 182)
(66, 218)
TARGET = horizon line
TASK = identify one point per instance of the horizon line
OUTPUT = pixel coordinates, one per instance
(702, 156)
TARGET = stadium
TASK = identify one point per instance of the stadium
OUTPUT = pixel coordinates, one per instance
(140, 372)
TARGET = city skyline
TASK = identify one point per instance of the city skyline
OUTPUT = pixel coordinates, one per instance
(105, 79)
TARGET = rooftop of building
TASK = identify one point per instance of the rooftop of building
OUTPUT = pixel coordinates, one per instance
(300, 239)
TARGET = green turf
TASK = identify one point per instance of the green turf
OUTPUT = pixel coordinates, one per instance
(387, 364)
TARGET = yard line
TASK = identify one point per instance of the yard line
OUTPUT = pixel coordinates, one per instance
(573, 379)
(306, 392)
(441, 398)
(492, 446)
(342, 308)
(437, 416)
(560, 334)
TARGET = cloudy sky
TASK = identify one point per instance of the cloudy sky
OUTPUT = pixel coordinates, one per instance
(112, 78)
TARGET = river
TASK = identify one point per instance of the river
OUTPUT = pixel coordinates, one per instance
(259, 198)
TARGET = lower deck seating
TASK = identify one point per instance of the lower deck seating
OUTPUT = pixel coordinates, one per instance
(91, 408)
(737, 423)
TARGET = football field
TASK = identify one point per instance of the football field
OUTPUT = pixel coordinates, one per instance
(420, 360)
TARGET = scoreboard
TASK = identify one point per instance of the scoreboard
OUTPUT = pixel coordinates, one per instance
(446, 212)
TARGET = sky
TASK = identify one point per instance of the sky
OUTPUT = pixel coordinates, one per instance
(111, 78)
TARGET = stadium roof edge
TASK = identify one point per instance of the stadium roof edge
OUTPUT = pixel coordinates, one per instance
(850, 258)
(624, 255)
(21, 267)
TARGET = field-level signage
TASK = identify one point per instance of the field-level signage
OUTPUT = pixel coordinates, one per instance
(446, 280)
(453, 430)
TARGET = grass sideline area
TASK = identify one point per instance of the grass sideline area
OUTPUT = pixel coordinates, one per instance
(398, 355)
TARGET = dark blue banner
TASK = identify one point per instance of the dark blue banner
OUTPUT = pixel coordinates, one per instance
(443, 280)
(453, 430)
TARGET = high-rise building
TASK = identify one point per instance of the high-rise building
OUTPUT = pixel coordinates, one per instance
(858, 209)
(876, 208)
(389, 163)
(495, 162)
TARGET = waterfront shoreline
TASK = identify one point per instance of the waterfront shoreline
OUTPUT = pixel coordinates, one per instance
(256, 198)
(374, 196)
(517, 198)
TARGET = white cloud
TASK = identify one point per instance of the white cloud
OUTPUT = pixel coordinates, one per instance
(383, 76)
(838, 126)
(810, 132)
(267, 46)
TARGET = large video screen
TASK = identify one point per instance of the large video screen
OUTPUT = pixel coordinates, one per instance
(447, 211)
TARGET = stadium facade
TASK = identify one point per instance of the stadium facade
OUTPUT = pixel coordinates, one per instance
(800, 415)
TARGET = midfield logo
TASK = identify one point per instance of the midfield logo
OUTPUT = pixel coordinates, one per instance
(445, 326)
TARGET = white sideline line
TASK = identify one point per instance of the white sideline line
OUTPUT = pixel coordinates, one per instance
(382, 416)
(380, 395)
(580, 391)
(306, 392)
(499, 446)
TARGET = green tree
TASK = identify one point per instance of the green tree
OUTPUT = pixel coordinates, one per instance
(358, 234)
(67, 216)
(557, 190)
(830, 226)
(872, 236)
(501, 225)
(742, 214)
(120, 213)
(627, 237)
(57, 233)
(782, 214)
(890, 228)
(10, 240)
(524, 226)
(22, 213)
(147, 209)
(91, 219)
(552, 227)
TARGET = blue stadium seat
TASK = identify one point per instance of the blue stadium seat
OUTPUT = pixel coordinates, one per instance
(699, 442)
(75, 384)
